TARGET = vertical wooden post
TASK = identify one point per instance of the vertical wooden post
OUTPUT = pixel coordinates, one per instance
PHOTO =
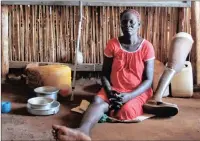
(195, 28)
(4, 42)
(181, 19)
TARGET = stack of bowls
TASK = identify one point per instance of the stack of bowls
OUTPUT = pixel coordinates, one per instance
(45, 103)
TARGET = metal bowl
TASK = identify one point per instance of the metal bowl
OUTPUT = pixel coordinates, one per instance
(47, 91)
(42, 103)
(54, 108)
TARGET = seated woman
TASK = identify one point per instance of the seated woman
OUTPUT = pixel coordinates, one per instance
(127, 77)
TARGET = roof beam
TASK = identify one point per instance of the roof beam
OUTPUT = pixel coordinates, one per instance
(141, 3)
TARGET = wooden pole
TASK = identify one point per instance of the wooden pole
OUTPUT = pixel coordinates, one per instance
(181, 19)
(4, 43)
(77, 49)
(195, 28)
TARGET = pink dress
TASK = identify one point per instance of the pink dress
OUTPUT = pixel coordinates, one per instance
(126, 75)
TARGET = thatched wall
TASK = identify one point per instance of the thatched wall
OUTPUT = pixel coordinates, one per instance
(48, 33)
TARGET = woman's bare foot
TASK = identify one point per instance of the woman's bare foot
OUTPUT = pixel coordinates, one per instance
(63, 133)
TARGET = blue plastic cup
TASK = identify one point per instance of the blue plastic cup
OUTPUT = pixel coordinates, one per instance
(5, 107)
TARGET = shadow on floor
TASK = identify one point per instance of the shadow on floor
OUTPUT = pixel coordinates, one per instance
(94, 88)
(20, 111)
(72, 120)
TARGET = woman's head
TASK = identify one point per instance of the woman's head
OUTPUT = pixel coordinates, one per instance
(130, 22)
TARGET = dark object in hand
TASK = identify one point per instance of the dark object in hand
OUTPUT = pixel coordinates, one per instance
(115, 101)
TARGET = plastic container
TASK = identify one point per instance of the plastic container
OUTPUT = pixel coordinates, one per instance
(58, 76)
(5, 107)
(182, 82)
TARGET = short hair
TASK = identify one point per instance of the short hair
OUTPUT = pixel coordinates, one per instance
(136, 13)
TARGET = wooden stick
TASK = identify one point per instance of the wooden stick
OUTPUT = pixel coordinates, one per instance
(22, 31)
(26, 33)
(50, 37)
(117, 21)
(83, 35)
(4, 43)
(108, 24)
(36, 35)
(172, 22)
(90, 35)
(188, 19)
(76, 19)
(149, 22)
(86, 34)
(195, 13)
(165, 33)
(67, 34)
(143, 20)
(74, 33)
(33, 34)
(181, 20)
(112, 26)
(97, 36)
(159, 38)
(161, 34)
(93, 36)
(62, 51)
(176, 20)
(43, 24)
(154, 31)
(40, 33)
(57, 33)
(35, 47)
(53, 56)
(100, 35)
(31, 40)
(13, 31)
(71, 35)
(30, 33)
(77, 49)
(104, 27)
(45, 33)
(18, 34)
(10, 32)
(54, 33)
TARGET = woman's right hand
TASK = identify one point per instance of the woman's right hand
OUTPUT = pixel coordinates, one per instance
(115, 100)
(113, 95)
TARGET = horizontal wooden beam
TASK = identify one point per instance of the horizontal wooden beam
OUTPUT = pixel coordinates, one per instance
(141, 3)
(82, 67)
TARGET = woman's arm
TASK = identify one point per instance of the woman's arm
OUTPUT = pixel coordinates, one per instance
(145, 85)
(105, 76)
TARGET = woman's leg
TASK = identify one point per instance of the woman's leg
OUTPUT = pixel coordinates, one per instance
(93, 114)
(90, 118)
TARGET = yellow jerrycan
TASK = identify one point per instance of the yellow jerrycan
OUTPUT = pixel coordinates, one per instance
(58, 76)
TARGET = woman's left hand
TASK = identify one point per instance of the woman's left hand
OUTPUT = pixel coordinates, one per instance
(125, 97)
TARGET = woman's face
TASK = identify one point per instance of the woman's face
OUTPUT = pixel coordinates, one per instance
(129, 24)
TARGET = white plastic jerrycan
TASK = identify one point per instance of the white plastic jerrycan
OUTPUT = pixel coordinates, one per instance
(182, 82)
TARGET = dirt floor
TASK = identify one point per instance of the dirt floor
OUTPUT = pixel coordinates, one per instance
(20, 125)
